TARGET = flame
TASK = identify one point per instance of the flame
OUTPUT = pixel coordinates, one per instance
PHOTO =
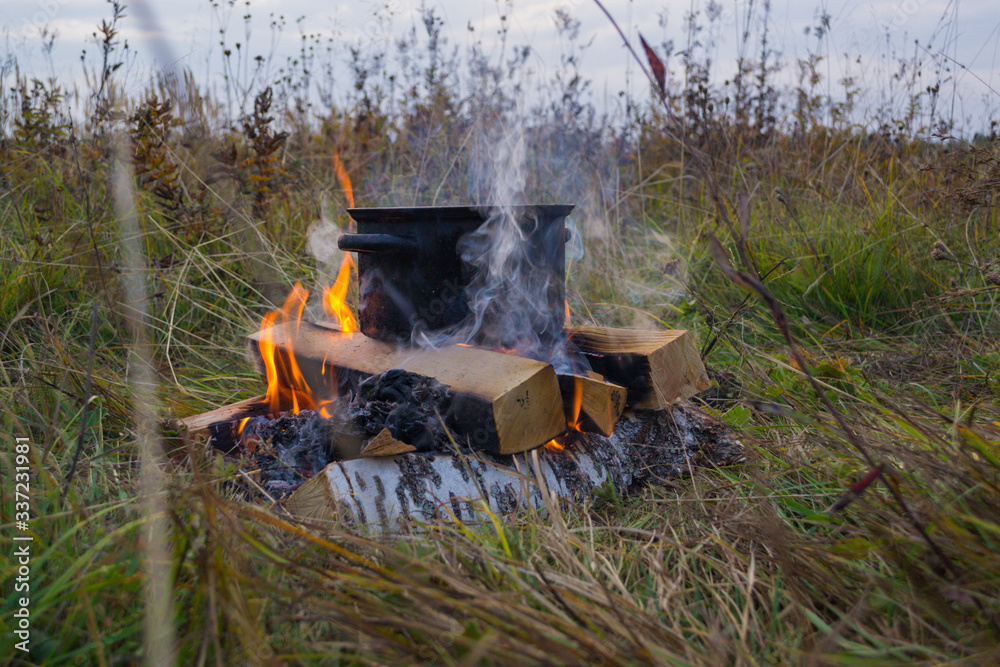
(555, 445)
(285, 382)
(345, 180)
(574, 420)
(335, 297)
(567, 311)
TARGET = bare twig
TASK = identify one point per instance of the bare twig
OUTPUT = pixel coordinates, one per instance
(710, 345)
(698, 157)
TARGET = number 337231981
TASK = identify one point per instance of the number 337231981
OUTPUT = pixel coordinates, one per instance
(22, 482)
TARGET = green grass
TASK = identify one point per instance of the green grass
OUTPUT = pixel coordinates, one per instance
(742, 565)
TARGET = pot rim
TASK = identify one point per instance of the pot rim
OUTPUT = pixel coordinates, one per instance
(417, 213)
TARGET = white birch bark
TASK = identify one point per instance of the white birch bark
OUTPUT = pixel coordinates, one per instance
(381, 493)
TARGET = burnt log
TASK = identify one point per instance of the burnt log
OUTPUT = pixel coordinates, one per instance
(219, 427)
(384, 493)
(656, 367)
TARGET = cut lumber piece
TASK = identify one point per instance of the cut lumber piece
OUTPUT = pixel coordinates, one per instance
(383, 493)
(383, 444)
(592, 406)
(657, 367)
(502, 403)
(218, 426)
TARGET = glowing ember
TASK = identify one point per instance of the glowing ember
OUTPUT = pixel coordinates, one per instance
(285, 382)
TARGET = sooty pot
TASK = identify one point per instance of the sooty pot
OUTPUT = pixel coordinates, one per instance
(412, 276)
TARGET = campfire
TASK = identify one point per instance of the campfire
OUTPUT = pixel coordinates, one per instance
(460, 379)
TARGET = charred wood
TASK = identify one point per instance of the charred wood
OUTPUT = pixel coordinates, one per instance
(656, 367)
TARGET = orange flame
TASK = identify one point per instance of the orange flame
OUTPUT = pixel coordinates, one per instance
(555, 446)
(285, 382)
(574, 420)
(345, 180)
(335, 298)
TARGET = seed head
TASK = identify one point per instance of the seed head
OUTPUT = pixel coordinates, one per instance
(991, 271)
(940, 253)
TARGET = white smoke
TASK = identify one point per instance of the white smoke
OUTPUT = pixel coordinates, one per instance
(321, 243)
(514, 293)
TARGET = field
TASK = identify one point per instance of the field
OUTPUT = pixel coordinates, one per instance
(842, 279)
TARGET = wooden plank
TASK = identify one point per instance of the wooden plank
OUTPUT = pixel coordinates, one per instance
(657, 367)
(216, 426)
(592, 405)
(502, 403)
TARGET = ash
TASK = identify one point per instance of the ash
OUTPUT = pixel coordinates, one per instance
(411, 406)
(288, 450)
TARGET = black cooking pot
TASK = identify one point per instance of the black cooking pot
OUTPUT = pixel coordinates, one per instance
(412, 276)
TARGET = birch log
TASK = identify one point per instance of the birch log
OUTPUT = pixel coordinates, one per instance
(383, 493)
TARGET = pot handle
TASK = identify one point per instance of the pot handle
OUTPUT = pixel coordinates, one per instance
(388, 244)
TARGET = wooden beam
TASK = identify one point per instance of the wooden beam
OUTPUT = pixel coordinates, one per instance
(657, 367)
(600, 403)
(502, 403)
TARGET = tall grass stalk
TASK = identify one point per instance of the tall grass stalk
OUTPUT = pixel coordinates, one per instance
(158, 585)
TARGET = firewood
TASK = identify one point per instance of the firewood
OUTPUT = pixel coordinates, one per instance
(645, 446)
(600, 403)
(218, 426)
(657, 367)
(502, 403)
(384, 444)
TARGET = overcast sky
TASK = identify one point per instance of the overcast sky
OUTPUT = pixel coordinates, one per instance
(187, 32)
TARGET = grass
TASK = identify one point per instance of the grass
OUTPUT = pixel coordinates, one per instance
(878, 249)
